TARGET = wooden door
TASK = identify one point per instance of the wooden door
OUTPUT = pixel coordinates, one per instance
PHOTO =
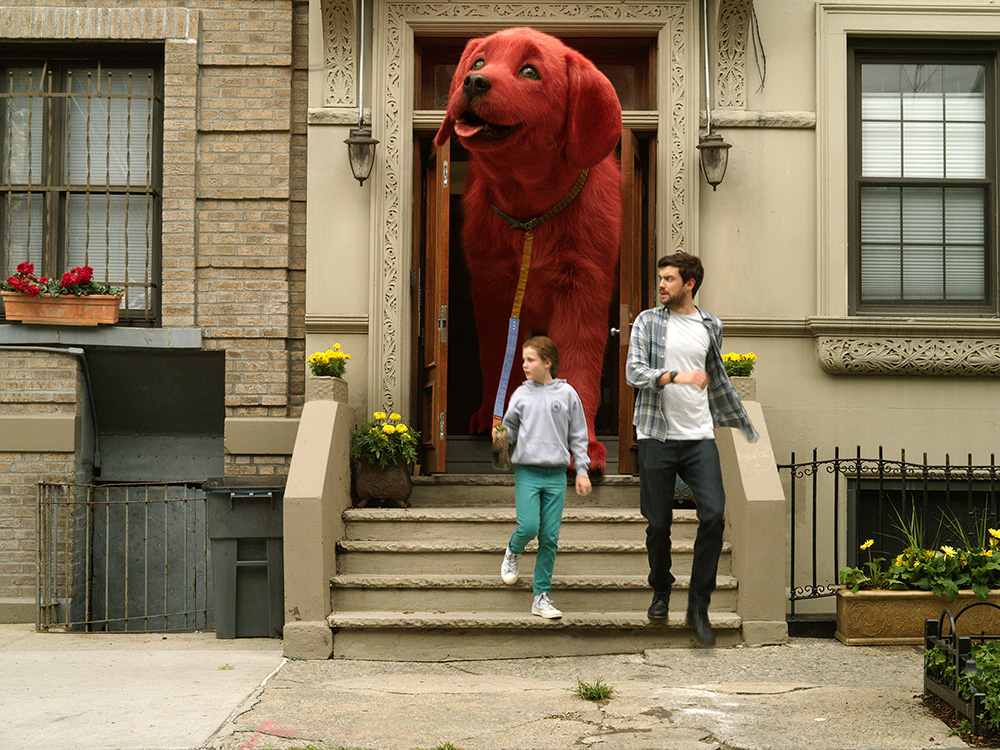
(629, 291)
(434, 313)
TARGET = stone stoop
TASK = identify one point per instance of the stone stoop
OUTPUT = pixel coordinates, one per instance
(423, 583)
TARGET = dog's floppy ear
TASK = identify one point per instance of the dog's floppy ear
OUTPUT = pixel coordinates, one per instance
(454, 111)
(594, 115)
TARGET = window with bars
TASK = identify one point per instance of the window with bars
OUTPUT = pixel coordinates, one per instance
(923, 180)
(80, 155)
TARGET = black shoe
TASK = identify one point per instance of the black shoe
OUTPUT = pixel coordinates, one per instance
(658, 609)
(697, 619)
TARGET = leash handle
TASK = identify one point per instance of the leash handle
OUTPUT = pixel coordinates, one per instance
(508, 361)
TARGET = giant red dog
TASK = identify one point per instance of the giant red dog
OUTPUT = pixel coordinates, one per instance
(534, 114)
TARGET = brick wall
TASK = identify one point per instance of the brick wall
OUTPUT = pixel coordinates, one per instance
(32, 383)
(233, 223)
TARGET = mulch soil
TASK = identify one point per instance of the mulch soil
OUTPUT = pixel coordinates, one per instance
(960, 726)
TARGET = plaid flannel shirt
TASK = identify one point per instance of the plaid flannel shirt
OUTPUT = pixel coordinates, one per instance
(647, 351)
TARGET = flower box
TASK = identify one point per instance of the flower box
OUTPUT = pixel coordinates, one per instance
(886, 618)
(63, 310)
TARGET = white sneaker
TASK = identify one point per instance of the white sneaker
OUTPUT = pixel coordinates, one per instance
(508, 571)
(542, 606)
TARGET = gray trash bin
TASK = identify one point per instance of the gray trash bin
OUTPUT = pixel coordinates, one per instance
(243, 517)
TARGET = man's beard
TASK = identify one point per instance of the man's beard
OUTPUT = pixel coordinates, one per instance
(675, 303)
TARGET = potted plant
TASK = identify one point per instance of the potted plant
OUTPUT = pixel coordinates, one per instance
(326, 375)
(384, 449)
(882, 604)
(739, 368)
(74, 300)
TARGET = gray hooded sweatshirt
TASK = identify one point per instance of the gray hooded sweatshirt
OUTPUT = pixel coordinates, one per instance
(546, 422)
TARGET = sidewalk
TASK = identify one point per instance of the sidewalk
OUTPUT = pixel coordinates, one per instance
(77, 692)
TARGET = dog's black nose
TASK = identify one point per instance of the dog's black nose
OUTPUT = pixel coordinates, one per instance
(475, 84)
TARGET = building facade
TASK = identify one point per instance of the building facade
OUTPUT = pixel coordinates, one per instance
(852, 245)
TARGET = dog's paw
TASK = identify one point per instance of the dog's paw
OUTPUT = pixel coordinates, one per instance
(598, 457)
(482, 421)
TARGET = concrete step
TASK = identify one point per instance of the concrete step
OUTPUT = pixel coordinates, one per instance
(478, 490)
(457, 593)
(489, 524)
(441, 636)
(484, 558)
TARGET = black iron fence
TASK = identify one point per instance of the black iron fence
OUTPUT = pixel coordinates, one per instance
(123, 557)
(838, 503)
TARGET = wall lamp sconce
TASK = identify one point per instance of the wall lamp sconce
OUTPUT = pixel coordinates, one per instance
(361, 152)
(714, 153)
(360, 144)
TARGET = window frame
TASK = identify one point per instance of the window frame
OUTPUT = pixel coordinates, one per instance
(862, 50)
(57, 190)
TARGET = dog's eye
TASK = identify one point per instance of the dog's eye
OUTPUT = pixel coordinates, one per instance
(529, 71)
(478, 64)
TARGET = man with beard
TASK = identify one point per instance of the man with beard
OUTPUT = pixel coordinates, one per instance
(675, 362)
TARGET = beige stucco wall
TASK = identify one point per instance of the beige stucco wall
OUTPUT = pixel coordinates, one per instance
(762, 235)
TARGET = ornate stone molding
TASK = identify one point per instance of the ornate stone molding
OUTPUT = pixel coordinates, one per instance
(741, 118)
(336, 323)
(395, 26)
(339, 53)
(908, 356)
(734, 22)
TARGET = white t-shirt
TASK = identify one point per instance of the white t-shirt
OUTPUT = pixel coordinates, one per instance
(686, 406)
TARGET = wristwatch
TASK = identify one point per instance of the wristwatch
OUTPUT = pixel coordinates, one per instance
(673, 374)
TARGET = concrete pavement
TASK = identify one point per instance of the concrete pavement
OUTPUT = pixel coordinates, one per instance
(90, 692)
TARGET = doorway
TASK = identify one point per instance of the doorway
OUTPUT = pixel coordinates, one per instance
(447, 382)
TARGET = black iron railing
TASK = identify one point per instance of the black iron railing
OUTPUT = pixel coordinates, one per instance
(950, 677)
(837, 503)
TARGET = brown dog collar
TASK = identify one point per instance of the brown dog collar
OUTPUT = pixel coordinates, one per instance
(532, 224)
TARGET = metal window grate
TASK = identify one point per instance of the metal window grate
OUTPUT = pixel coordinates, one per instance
(123, 557)
(79, 176)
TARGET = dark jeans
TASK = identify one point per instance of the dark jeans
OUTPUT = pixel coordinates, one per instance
(697, 463)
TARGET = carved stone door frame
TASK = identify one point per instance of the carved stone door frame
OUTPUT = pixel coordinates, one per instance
(397, 24)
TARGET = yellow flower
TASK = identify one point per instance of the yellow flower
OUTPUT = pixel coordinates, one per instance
(963, 561)
(995, 533)
(380, 415)
(868, 544)
(899, 561)
(402, 428)
(395, 417)
(928, 554)
(948, 551)
(388, 429)
(336, 346)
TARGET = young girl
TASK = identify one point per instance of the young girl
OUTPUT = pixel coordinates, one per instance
(545, 420)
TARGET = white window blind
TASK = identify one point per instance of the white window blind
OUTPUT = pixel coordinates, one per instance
(923, 243)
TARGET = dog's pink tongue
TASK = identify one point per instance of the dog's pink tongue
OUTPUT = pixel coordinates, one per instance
(467, 131)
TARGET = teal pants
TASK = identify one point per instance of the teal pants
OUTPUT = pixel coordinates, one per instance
(539, 494)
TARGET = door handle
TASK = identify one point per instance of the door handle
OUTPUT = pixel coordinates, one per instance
(615, 331)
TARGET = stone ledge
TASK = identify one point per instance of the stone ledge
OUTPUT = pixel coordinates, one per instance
(499, 480)
(114, 336)
(352, 545)
(504, 621)
(502, 515)
(445, 581)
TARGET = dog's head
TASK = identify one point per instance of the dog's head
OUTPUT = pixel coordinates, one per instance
(520, 90)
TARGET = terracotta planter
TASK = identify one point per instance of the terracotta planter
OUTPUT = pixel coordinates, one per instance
(325, 388)
(373, 484)
(882, 618)
(746, 387)
(64, 310)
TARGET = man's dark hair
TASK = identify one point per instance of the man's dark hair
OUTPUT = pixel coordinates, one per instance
(689, 267)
